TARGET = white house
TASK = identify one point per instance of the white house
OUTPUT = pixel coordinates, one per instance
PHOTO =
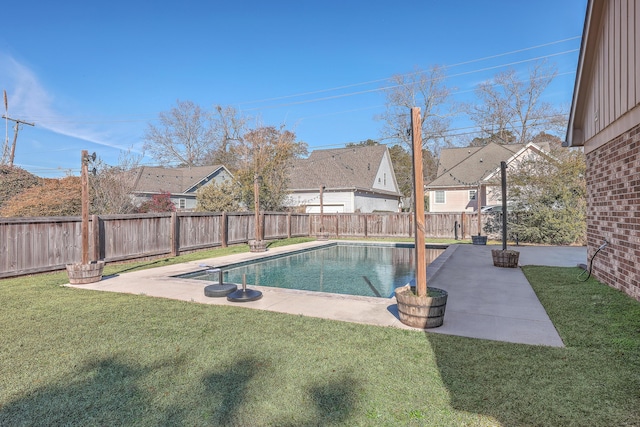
(354, 179)
(180, 183)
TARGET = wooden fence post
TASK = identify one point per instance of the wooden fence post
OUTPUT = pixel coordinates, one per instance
(288, 225)
(95, 237)
(175, 234)
(410, 225)
(366, 232)
(224, 232)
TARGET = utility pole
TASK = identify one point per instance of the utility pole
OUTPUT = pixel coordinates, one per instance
(15, 138)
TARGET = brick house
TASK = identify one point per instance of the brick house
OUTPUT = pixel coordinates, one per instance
(605, 120)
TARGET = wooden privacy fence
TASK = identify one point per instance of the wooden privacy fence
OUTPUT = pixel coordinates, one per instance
(33, 245)
(437, 225)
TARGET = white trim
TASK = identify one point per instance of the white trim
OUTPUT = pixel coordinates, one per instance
(529, 145)
(615, 129)
(586, 33)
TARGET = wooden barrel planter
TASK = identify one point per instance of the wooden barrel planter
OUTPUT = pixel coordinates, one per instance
(505, 258)
(421, 312)
(81, 274)
(257, 246)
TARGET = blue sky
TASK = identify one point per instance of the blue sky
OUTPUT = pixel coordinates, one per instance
(93, 75)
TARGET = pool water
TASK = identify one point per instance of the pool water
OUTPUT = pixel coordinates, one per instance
(373, 271)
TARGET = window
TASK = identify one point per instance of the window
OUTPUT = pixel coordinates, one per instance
(472, 194)
(183, 203)
(439, 196)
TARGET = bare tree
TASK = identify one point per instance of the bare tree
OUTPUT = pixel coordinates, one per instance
(424, 89)
(427, 90)
(510, 109)
(228, 128)
(183, 137)
(112, 186)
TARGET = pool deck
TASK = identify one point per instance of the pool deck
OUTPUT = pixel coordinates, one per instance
(485, 302)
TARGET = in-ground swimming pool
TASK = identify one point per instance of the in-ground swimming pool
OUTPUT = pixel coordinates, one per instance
(366, 270)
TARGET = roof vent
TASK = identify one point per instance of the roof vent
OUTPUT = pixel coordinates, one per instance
(480, 160)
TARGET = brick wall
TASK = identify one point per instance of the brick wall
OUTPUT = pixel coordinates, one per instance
(613, 200)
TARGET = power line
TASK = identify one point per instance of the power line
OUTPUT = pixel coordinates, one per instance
(408, 74)
(382, 89)
(146, 117)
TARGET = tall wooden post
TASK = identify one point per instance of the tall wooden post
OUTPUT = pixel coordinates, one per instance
(256, 207)
(418, 189)
(479, 204)
(503, 174)
(84, 178)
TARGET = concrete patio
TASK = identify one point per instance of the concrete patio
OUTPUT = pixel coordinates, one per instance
(484, 302)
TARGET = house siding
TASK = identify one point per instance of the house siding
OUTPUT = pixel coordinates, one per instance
(454, 201)
(367, 203)
(385, 178)
(333, 202)
(608, 86)
(613, 197)
(458, 200)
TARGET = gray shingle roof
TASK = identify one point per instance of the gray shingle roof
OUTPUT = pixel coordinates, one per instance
(353, 167)
(468, 165)
(174, 180)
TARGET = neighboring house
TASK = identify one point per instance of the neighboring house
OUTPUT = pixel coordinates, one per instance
(180, 183)
(355, 179)
(468, 174)
(605, 120)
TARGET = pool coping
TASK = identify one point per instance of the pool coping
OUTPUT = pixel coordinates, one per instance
(159, 282)
(486, 302)
(230, 261)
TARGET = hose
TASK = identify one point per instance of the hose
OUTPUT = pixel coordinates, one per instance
(602, 246)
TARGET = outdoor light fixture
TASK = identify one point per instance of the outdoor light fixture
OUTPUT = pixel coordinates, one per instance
(89, 158)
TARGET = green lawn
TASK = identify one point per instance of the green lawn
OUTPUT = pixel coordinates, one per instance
(79, 357)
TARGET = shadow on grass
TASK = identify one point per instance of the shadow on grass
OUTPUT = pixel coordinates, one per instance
(109, 392)
(334, 404)
(100, 393)
(226, 390)
(593, 381)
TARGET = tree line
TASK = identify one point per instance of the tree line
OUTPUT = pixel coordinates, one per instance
(509, 109)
